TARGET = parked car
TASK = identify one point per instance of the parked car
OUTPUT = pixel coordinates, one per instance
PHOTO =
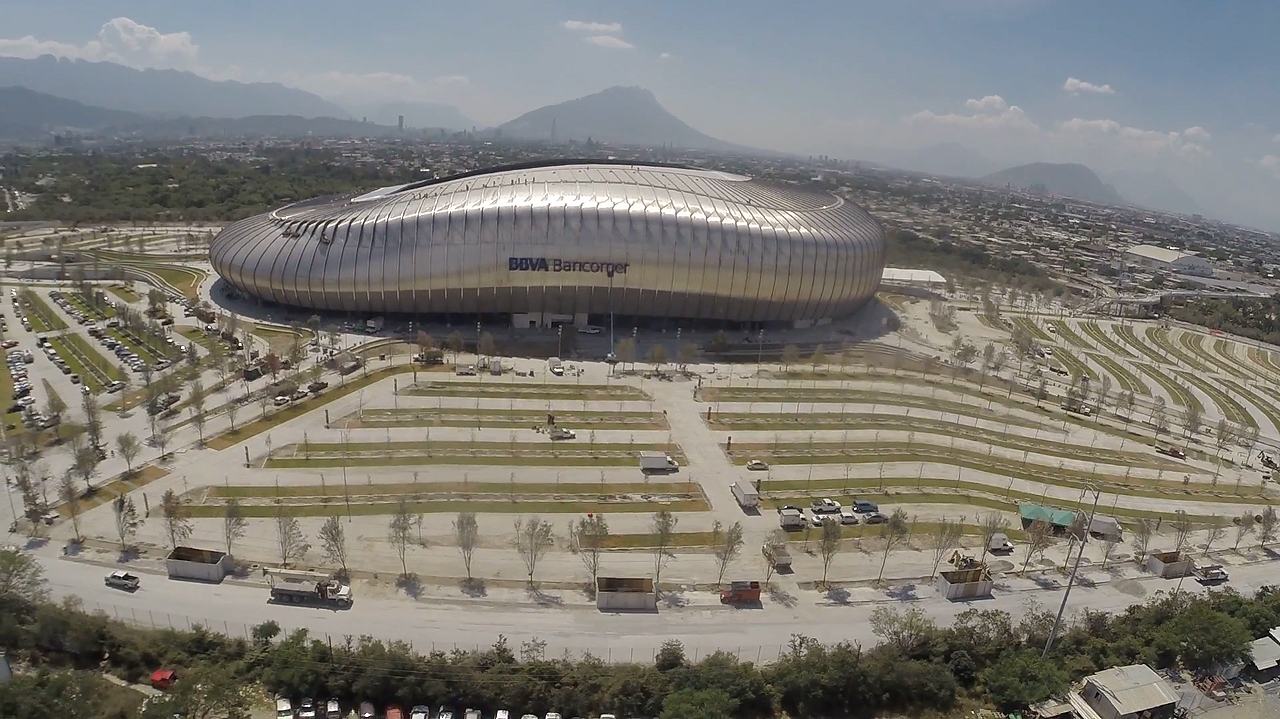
(848, 516)
(123, 580)
(281, 400)
(757, 465)
(284, 708)
(862, 506)
(875, 518)
(307, 708)
(366, 711)
(394, 712)
(332, 709)
(420, 712)
(826, 505)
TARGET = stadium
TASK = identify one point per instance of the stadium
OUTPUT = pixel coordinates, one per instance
(565, 242)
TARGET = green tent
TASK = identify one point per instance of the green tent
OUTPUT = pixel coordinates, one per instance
(1054, 516)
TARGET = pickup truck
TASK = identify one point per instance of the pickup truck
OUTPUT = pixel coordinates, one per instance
(123, 580)
(561, 433)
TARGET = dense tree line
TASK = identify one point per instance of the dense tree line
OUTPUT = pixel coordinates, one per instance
(907, 249)
(181, 186)
(985, 657)
(1250, 317)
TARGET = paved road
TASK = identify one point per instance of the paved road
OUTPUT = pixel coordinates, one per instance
(757, 633)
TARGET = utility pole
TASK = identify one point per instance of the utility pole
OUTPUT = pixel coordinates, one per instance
(1062, 608)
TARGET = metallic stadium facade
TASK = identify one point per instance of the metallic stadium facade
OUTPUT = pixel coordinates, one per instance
(567, 240)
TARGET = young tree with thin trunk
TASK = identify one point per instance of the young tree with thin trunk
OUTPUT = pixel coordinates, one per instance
(466, 532)
(992, 524)
(161, 438)
(892, 533)
(946, 537)
(773, 546)
(728, 549)
(790, 356)
(1182, 526)
(1244, 527)
(829, 545)
(1217, 530)
(533, 538)
(290, 540)
(333, 542)
(177, 518)
(399, 532)
(233, 408)
(234, 524)
(1039, 537)
(127, 521)
(128, 446)
(1267, 527)
(586, 539)
(1142, 530)
(663, 528)
(71, 500)
(1191, 422)
(1158, 418)
(1108, 549)
(454, 341)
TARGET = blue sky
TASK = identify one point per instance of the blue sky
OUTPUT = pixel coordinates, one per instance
(1185, 90)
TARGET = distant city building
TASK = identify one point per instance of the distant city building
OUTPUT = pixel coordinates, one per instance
(400, 122)
(1163, 258)
(565, 242)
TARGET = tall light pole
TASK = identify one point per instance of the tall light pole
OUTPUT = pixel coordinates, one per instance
(1062, 608)
(759, 353)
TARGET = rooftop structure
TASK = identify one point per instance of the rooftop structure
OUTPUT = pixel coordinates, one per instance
(1170, 260)
(1130, 691)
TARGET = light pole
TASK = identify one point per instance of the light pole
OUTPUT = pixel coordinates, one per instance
(759, 353)
(1057, 621)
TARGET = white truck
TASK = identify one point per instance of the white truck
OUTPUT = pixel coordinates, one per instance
(374, 324)
(555, 366)
(746, 494)
(561, 433)
(658, 462)
(298, 590)
(791, 518)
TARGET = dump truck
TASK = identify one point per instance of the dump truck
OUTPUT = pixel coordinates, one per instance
(658, 462)
(778, 554)
(741, 593)
(290, 590)
(746, 494)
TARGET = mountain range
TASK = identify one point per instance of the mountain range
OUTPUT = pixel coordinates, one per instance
(1065, 179)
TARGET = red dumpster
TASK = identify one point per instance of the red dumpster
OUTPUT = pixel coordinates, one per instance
(741, 593)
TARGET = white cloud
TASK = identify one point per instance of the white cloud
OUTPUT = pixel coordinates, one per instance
(1076, 86)
(119, 40)
(610, 41)
(454, 80)
(667, 56)
(990, 103)
(1188, 143)
(613, 28)
(990, 112)
(1276, 138)
(1270, 163)
(369, 87)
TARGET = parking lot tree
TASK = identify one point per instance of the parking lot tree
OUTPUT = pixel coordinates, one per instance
(400, 532)
(908, 630)
(273, 364)
(177, 517)
(663, 529)
(1191, 421)
(161, 437)
(466, 532)
(1245, 524)
(728, 549)
(1039, 536)
(1109, 548)
(992, 524)
(425, 342)
(21, 576)
(128, 446)
(963, 353)
(1267, 526)
(657, 357)
(70, 497)
(487, 346)
(818, 358)
(127, 519)
(86, 464)
(1159, 420)
(828, 545)
(290, 540)
(790, 356)
(946, 537)
(892, 532)
(686, 354)
(626, 351)
(586, 539)
(333, 542)
(234, 523)
(54, 406)
(454, 342)
(1142, 530)
(1217, 530)
(233, 408)
(774, 544)
(533, 537)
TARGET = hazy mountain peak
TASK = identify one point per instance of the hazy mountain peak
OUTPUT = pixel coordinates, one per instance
(1068, 179)
(620, 114)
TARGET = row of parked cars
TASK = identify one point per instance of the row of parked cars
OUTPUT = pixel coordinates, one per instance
(60, 299)
(860, 512)
(122, 351)
(332, 709)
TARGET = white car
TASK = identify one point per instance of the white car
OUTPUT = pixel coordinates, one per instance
(284, 708)
(420, 712)
(590, 330)
(848, 516)
(307, 709)
(332, 710)
(757, 464)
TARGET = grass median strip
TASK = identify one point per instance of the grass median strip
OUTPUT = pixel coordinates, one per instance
(1127, 380)
(1231, 409)
(40, 314)
(412, 489)
(524, 390)
(338, 507)
(1179, 394)
(125, 294)
(547, 454)
(1125, 332)
(1105, 341)
(1193, 342)
(581, 420)
(1162, 338)
(1066, 332)
(1030, 326)
(785, 421)
(94, 369)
